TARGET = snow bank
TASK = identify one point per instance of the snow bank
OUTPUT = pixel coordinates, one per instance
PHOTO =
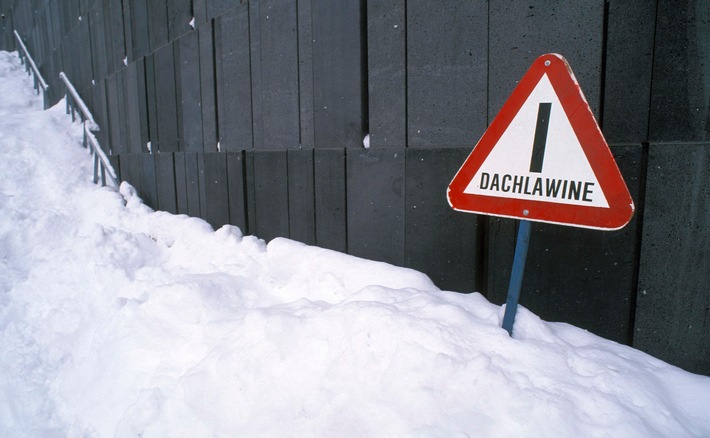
(116, 320)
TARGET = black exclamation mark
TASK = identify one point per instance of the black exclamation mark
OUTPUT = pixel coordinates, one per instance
(543, 122)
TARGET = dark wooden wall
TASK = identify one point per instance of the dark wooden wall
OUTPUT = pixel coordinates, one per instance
(253, 113)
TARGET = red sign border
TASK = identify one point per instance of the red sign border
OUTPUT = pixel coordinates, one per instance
(595, 147)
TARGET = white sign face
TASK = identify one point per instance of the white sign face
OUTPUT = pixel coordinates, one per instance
(539, 157)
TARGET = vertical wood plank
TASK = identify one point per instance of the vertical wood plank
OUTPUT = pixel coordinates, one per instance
(250, 182)
(520, 31)
(274, 50)
(128, 26)
(672, 316)
(97, 28)
(338, 77)
(55, 89)
(386, 61)
(110, 60)
(22, 17)
(202, 183)
(216, 196)
(115, 163)
(180, 183)
(142, 104)
(83, 56)
(135, 163)
(165, 182)
(375, 204)
(166, 100)
(85, 5)
(301, 205)
(118, 45)
(70, 9)
(114, 120)
(179, 14)
(6, 37)
(271, 194)
(133, 103)
(130, 165)
(233, 74)
(149, 189)
(59, 22)
(305, 73)
(236, 178)
(188, 83)
(151, 102)
(447, 69)
(207, 87)
(140, 36)
(67, 54)
(39, 40)
(629, 57)
(330, 204)
(257, 105)
(439, 241)
(680, 67)
(215, 8)
(158, 24)
(499, 249)
(100, 113)
(199, 9)
(121, 109)
(193, 178)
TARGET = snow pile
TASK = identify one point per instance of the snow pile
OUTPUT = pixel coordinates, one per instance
(116, 320)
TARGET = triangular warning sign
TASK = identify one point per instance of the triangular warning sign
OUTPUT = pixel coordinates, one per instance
(544, 158)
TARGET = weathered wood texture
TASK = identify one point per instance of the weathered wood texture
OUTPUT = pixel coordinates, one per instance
(673, 306)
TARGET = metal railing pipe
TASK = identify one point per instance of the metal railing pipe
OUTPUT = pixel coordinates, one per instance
(102, 167)
(101, 162)
(39, 81)
(74, 100)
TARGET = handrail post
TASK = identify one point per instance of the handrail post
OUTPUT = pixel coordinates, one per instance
(96, 168)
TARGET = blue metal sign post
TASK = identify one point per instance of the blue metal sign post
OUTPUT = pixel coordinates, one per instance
(516, 276)
(570, 179)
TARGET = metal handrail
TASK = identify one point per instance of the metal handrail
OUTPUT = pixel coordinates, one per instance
(74, 100)
(39, 81)
(75, 104)
(101, 162)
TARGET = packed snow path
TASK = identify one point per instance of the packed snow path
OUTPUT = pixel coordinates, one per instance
(119, 321)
